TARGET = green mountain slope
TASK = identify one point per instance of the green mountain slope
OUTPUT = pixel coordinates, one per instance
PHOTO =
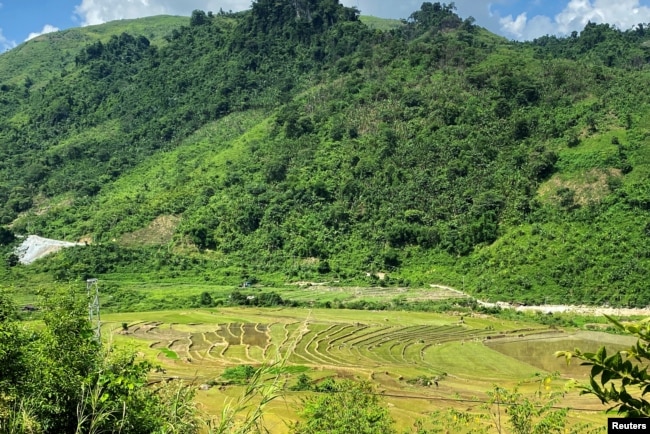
(380, 23)
(292, 140)
(46, 56)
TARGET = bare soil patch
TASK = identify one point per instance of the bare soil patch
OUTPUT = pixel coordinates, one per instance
(591, 187)
(159, 231)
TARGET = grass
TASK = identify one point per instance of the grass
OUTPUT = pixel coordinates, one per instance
(383, 24)
(540, 352)
(169, 353)
(595, 151)
(209, 151)
(475, 360)
(589, 186)
(177, 316)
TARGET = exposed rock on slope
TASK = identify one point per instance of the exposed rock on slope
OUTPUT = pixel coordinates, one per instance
(35, 247)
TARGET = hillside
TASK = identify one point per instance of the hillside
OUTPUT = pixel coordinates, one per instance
(40, 59)
(302, 144)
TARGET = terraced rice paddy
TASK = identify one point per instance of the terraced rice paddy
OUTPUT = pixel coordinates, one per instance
(468, 355)
(335, 345)
(539, 350)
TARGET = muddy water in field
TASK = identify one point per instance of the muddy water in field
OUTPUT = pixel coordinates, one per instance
(213, 338)
(539, 351)
(242, 334)
(198, 342)
(255, 335)
(231, 333)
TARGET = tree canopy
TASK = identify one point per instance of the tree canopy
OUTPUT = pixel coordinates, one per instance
(58, 379)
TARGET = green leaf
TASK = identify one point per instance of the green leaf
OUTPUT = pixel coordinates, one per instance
(607, 375)
(595, 370)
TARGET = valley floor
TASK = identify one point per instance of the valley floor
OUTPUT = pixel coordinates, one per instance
(419, 362)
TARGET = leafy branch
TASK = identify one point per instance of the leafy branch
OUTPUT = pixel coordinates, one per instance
(621, 378)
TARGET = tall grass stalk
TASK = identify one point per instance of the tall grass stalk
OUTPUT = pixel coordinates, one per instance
(19, 419)
(180, 412)
(266, 385)
(92, 415)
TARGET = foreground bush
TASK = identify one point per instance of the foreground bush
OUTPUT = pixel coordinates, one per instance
(348, 408)
(59, 379)
(623, 375)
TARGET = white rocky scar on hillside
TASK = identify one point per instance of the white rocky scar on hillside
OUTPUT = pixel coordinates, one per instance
(35, 247)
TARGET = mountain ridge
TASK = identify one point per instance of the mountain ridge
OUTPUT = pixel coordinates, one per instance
(305, 148)
(68, 42)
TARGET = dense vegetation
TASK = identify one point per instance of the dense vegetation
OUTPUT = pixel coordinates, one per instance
(294, 142)
(47, 57)
(59, 379)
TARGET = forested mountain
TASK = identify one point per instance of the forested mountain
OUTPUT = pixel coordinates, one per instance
(46, 56)
(293, 140)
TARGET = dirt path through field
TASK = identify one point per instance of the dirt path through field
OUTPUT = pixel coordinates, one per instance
(586, 310)
(560, 308)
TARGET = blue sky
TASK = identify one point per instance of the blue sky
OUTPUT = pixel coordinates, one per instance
(514, 19)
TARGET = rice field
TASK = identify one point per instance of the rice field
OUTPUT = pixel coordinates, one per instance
(318, 344)
(467, 355)
(326, 292)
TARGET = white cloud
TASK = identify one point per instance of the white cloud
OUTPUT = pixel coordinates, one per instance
(100, 11)
(516, 26)
(575, 15)
(6, 44)
(523, 28)
(47, 28)
(624, 14)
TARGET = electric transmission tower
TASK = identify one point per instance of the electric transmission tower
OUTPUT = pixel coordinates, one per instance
(92, 289)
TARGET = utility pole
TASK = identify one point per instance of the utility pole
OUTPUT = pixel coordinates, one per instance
(92, 289)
